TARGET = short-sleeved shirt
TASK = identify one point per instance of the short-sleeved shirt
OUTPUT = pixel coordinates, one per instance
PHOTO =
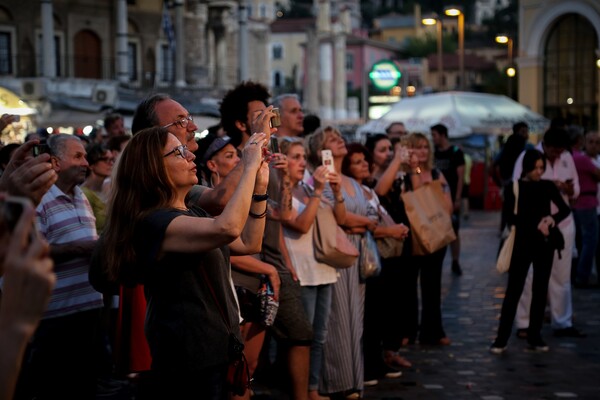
(64, 219)
(184, 327)
(98, 207)
(588, 187)
(194, 195)
(448, 161)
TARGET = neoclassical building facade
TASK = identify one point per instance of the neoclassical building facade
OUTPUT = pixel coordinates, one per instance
(559, 59)
(126, 40)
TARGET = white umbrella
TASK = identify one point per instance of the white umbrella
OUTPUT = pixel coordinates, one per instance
(464, 113)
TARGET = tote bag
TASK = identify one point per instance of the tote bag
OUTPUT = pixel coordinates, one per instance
(331, 244)
(388, 246)
(430, 222)
(505, 255)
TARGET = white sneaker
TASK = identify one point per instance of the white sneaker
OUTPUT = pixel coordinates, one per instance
(371, 382)
(393, 374)
(497, 350)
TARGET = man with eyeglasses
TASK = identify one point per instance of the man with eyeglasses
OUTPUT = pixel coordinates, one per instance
(162, 110)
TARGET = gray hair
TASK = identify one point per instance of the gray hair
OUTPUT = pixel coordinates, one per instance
(278, 101)
(145, 113)
(58, 143)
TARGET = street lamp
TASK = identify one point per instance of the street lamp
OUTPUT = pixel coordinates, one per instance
(510, 71)
(453, 11)
(435, 20)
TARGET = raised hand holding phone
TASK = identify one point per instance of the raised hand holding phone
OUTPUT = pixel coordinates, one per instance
(327, 160)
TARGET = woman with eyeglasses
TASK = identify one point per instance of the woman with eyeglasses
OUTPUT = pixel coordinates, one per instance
(181, 255)
(216, 158)
(101, 163)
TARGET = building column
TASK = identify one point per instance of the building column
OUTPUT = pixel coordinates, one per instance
(325, 59)
(341, 29)
(243, 44)
(121, 45)
(179, 45)
(221, 53)
(340, 90)
(530, 83)
(48, 48)
(309, 80)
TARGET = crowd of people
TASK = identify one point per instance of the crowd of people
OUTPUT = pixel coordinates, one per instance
(156, 260)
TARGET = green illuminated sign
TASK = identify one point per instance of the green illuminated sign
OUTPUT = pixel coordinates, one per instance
(385, 75)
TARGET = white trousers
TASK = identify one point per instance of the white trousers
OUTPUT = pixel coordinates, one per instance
(559, 287)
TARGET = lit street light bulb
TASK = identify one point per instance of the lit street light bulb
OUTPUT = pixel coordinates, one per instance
(511, 72)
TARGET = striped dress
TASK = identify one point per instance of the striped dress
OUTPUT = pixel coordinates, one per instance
(343, 365)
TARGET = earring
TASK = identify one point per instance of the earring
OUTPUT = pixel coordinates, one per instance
(218, 179)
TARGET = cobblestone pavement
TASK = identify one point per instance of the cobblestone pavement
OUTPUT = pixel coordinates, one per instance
(471, 308)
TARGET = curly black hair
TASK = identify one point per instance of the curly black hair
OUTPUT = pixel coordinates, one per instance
(234, 107)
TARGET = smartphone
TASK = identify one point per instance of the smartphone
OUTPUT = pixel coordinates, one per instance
(404, 153)
(41, 148)
(327, 158)
(12, 208)
(276, 119)
(274, 145)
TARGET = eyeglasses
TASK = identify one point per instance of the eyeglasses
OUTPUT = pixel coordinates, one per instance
(109, 160)
(179, 151)
(182, 123)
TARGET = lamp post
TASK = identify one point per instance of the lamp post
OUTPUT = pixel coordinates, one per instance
(454, 11)
(435, 20)
(510, 71)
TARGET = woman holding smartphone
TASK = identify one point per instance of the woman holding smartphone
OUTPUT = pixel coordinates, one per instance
(316, 279)
(181, 255)
(343, 368)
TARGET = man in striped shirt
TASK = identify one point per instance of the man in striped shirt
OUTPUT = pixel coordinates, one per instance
(63, 356)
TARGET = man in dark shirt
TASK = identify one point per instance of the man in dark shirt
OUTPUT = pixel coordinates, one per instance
(450, 160)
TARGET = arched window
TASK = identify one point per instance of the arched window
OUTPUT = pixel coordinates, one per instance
(570, 71)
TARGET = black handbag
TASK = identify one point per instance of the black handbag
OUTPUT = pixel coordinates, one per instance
(556, 240)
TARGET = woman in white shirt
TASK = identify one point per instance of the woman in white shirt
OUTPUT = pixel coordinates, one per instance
(315, 278)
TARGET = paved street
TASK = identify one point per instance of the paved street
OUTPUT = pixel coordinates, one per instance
(466, 369)
(471, 307)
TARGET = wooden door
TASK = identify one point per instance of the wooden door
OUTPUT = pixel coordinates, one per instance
(88, 55)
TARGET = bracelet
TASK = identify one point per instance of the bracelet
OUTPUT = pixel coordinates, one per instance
(257, 216)
(340, 200)
(316, 196)
(260, 197)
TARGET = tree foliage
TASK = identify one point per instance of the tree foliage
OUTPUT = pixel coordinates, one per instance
(427, 44)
